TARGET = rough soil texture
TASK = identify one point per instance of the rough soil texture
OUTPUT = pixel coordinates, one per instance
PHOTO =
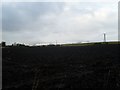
(67, 67)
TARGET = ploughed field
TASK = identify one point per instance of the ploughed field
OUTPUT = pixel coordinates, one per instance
(54, 67)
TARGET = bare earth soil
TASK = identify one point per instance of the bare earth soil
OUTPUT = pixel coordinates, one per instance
(54, 67)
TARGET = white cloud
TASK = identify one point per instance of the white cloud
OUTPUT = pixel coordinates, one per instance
(64, 22)
(60, 0)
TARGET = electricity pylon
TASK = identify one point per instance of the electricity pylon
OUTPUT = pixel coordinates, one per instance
(104, 37)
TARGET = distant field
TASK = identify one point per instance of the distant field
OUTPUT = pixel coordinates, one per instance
(66, 67)
(92, 43)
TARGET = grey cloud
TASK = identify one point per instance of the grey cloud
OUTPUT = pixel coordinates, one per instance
(18, 15)
(35, 22)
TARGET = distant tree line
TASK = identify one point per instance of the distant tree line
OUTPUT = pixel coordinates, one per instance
(2, 44)
(18, 44)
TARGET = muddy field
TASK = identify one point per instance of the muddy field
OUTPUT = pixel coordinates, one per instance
(67, 67)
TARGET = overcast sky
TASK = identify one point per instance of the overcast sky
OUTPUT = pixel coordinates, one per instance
(64, 22)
